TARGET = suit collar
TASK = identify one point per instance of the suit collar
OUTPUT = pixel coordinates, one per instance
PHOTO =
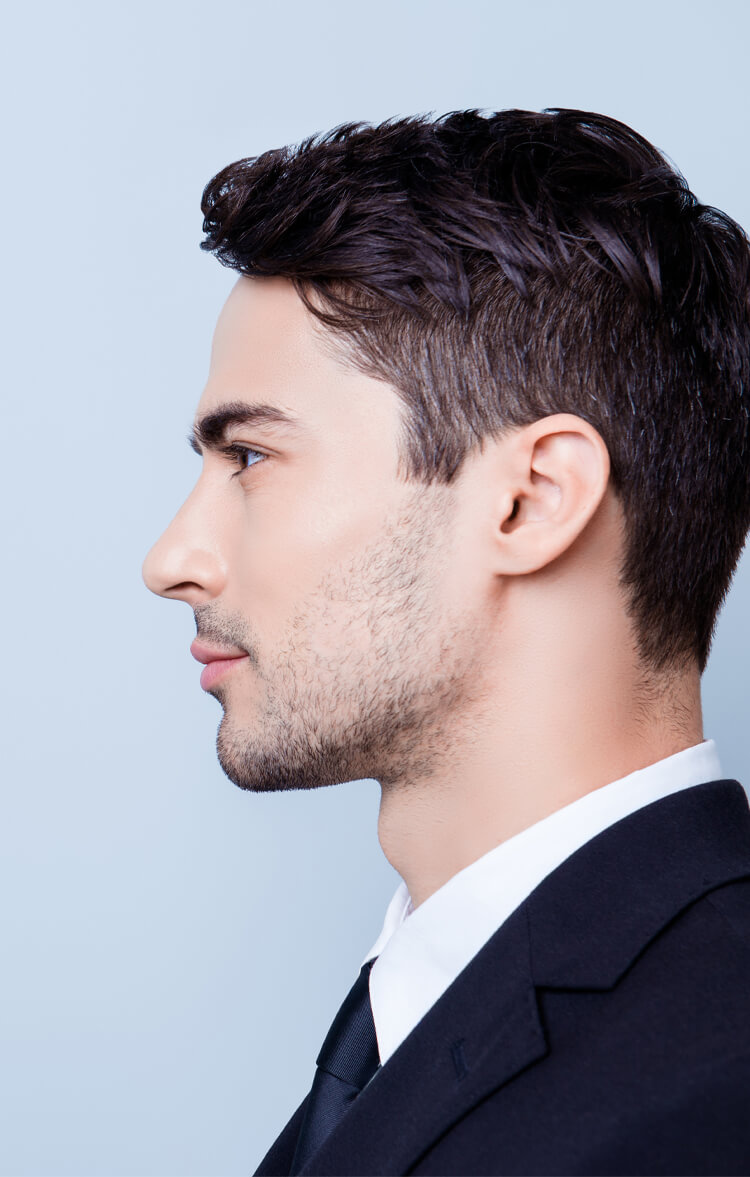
(582, 927)
(420, 956)
(619, 890)
(482, 1031)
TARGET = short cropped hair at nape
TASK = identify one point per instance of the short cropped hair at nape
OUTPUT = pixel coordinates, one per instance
(498, 268)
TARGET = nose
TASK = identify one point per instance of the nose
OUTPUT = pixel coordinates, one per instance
(184, 564)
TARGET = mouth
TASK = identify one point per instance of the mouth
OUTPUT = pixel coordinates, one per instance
(217, 661)
(217, 668)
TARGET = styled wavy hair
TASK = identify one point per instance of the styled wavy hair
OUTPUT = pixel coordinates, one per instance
(495, 269)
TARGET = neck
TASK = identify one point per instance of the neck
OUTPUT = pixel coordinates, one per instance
(553, 741)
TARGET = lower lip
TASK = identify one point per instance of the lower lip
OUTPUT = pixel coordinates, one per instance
(213, 671)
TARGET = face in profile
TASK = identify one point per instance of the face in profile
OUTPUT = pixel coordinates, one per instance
(348, 598)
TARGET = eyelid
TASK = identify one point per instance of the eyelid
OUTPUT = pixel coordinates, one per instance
(238, 452)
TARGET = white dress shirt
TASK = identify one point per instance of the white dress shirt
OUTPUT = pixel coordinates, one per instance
(422, 950)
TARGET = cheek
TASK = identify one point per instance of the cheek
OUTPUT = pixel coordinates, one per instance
(291, 541)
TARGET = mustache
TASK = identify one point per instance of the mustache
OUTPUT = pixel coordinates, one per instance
(212, 628)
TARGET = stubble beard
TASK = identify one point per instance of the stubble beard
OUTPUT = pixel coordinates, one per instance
(383, 703)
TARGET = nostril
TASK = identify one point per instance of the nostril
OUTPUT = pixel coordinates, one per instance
(179, 570)
(182, 589)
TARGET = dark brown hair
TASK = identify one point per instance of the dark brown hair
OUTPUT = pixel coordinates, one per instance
(499, 268)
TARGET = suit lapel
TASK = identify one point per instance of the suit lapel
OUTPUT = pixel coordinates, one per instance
(481, 1032)
(278, 1160)
(592, 916)
(581, 928)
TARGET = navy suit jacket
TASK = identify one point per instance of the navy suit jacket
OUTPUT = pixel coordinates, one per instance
(604, 1028)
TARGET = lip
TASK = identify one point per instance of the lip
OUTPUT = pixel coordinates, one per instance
(205, 653)
(217, 662)
(217, 668)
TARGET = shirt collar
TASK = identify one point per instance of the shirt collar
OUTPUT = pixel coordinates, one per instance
(421, 951)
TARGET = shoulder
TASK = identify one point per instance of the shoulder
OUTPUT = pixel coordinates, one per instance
(732, 902)
(688, 990)
(699, 1125)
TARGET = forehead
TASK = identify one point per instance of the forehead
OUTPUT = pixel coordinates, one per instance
(263, 342)
(267, 347)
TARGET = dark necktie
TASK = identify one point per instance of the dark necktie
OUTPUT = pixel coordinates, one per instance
(347, 1061)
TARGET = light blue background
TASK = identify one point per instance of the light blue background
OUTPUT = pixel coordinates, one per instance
(174, 949)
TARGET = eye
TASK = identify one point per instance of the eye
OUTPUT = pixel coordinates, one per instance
(240, 453)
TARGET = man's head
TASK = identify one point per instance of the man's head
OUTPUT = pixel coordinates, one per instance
(516, 349)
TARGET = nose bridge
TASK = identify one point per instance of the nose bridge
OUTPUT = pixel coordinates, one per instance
(186, 562)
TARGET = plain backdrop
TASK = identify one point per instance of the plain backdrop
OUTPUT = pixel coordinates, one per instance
(174, 949)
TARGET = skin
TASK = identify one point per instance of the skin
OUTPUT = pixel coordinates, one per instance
(466, 646)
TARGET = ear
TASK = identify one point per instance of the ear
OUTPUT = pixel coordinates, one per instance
(555, 474)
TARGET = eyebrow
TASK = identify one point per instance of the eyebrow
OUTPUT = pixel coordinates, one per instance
(210, 431)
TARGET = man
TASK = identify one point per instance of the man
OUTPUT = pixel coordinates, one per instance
(475, 481)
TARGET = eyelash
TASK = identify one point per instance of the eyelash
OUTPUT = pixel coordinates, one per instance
(238, 453)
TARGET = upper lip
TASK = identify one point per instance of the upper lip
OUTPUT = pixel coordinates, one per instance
(203, 653)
